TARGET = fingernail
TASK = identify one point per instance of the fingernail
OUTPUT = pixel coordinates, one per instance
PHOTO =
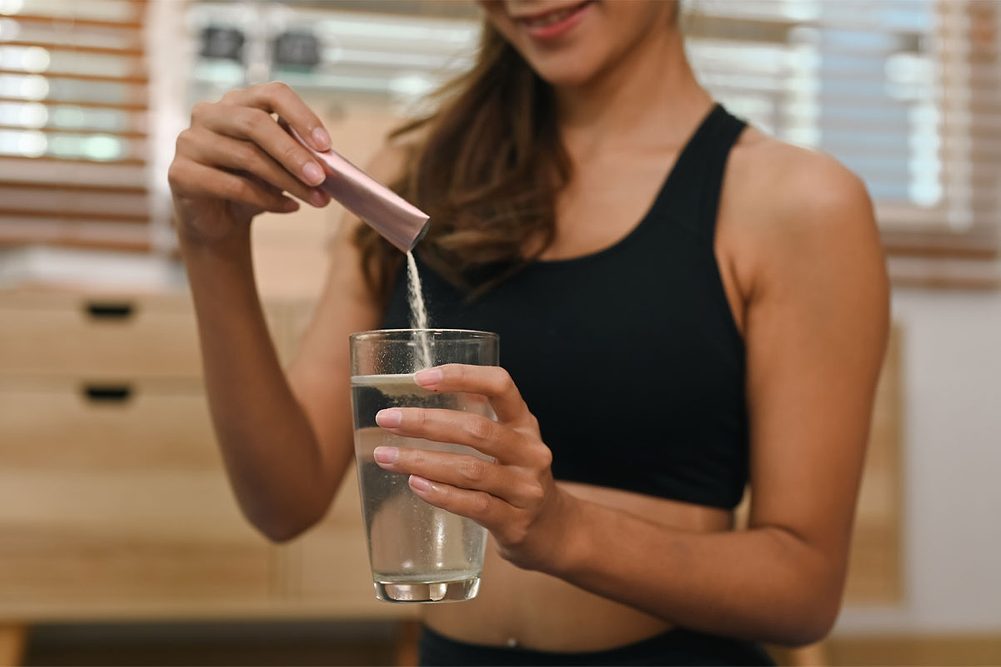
(318, 198)
(389, 418)
(386, 454)
(313, 173)
(419, 484)
(290, 206)
(321, 139)
(428, 377)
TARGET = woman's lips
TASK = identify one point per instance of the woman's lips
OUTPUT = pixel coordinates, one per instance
(555, 23)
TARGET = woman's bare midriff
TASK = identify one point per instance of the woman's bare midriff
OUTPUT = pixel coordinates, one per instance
(536, 611)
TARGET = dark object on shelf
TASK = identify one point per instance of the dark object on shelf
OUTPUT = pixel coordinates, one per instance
(297, 49)
(223, 43)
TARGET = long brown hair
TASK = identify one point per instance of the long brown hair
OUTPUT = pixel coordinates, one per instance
(487, 171)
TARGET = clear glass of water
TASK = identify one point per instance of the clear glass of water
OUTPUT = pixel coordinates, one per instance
(418, 552)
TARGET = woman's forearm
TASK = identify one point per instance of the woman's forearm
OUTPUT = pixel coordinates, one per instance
(770, 583)
(269, 448)
(764, 584)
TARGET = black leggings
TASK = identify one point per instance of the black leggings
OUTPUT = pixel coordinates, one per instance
(674, 647)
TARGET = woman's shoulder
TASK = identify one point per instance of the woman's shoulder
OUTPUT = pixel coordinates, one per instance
(791, 184)
(784, 205)
(783, 199)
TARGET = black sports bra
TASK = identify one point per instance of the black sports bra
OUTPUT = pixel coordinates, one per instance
(629, 357)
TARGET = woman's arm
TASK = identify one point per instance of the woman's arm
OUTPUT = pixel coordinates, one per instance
(286, 440)
(272, 456)
(815, 333)
(816, 324)
(284, 460)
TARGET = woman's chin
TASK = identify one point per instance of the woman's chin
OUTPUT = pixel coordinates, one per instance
(569, 75)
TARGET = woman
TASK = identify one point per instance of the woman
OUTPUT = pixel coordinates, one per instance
(685, 304)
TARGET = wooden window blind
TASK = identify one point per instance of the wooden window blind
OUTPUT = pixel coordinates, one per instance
(73, 124)
(902, 91)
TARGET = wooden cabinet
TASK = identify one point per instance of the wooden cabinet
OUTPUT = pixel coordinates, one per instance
(113, 497)
(92, 337)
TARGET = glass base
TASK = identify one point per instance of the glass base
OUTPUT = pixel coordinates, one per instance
(443, 591)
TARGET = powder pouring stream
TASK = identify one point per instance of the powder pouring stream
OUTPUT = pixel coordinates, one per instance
(418, 315)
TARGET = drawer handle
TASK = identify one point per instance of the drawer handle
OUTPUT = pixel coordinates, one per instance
(110, 310)
(107, 393)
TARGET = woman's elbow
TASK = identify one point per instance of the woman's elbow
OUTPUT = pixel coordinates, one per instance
(810, 622)
(280, 528)
(279, 533)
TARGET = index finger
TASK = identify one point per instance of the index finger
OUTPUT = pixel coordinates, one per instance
(491, 381)
(277, 97)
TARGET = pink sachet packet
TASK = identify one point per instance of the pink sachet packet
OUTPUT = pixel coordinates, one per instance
(397, 220)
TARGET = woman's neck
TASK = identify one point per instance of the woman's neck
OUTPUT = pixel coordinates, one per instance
(651, 87)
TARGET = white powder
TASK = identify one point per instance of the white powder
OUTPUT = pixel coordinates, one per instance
(418, 314)
(418, 311)
(392, 386)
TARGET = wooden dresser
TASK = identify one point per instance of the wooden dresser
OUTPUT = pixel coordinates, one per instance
(113, 500)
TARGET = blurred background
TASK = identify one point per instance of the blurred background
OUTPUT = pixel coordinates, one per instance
(119, 540)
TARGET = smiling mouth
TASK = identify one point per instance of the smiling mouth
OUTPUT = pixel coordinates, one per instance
(552, 17)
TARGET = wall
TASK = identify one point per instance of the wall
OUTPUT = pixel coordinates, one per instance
(952, 463)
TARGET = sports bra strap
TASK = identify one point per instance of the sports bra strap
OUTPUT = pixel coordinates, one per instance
(693, 195)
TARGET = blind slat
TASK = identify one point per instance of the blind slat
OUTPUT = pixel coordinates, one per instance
(71, 233)
(85, 104)
(79, 23)
(56, 130)
(104, 10)
(102, 188)
(135, 79)
(79, 48)
(15, 169)
(67, 214)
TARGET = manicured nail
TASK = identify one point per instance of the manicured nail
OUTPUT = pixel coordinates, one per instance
(389, 418)
(428, 377)
(386, 454)
(313, 173)
(318, 198)
(419, 484)
(321, 139)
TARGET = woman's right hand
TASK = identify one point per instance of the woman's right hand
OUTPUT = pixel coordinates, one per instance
(236, 161)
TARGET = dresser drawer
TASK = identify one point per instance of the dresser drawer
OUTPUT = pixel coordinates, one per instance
(83, 425)
(98, 336)
(116, 495)
(75, 542)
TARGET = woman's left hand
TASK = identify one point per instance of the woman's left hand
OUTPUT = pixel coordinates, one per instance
(514, 496)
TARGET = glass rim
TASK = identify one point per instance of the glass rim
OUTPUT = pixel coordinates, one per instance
(474, 334)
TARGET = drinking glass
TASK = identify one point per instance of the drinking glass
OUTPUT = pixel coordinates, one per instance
(418, 552)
